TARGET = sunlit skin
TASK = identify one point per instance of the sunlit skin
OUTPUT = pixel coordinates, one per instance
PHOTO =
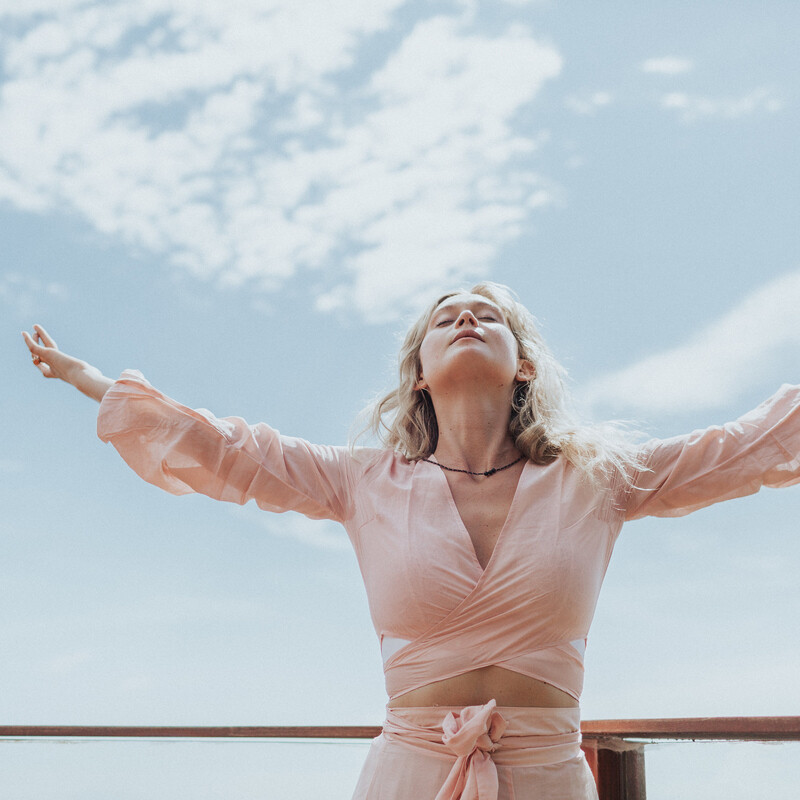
(470, 379)
(53, 363)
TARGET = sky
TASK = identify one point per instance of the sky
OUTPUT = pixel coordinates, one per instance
(249, 201)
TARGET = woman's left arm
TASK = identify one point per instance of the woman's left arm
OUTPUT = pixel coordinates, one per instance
(685, 473)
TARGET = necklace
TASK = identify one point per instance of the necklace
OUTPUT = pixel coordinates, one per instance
(487, 474)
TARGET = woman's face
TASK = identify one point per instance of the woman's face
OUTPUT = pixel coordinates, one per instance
(468, 340)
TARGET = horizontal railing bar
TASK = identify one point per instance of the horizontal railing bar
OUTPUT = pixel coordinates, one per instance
(196, 732)
(709, 728)
(727, 728)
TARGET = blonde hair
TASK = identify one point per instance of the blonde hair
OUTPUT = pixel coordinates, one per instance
(541, 422)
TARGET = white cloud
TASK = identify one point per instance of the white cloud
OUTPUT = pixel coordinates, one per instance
(236, 140)
(588, 104)
(28, 296)
(322, 534)
(667, 65)
(694, 107)
(723, 360)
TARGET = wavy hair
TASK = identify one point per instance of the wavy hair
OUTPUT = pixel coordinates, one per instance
(541, 421)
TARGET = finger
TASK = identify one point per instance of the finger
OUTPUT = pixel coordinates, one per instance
(37, 351)
(28, 340)
(45, 336)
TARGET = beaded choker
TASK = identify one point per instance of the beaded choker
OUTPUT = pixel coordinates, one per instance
(487, 474)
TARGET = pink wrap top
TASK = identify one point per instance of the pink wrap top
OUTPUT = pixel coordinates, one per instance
(530, 610)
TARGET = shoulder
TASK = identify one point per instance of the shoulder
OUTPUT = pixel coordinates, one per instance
(383, 467)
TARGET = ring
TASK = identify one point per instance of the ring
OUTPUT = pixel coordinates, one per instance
(36, 360)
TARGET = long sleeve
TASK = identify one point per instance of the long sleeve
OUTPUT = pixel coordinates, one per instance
(685, 473)
(185, 450)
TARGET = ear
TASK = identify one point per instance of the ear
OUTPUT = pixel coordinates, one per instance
(526, 371)
(420, 384)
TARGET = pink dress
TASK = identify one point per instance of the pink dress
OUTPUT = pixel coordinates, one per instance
(436, 612)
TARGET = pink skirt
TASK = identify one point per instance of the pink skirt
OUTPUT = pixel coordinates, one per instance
(477, 753)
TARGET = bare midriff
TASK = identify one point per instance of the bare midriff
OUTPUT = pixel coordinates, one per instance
(479, 686)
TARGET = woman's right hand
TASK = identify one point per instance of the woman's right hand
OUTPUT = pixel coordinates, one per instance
(52, 363)
(47, 358)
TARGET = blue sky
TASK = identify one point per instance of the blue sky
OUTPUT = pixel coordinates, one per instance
(248, 201)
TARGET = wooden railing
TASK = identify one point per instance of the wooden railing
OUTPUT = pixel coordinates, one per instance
(614, 747)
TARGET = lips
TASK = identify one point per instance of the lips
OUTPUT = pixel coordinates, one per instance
(472, 334)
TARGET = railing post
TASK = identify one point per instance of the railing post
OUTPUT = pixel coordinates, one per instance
(618, 772)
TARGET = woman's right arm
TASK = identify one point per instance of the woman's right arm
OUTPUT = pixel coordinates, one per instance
(182, 450)
(52, 363)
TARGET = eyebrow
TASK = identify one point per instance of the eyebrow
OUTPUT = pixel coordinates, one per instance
(478, 304)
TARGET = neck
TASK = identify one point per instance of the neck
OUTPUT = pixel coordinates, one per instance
(473, 432)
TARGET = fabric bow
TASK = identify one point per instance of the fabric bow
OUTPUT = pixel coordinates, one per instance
(471, 735)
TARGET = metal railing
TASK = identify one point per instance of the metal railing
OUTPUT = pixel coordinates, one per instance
(614, 748)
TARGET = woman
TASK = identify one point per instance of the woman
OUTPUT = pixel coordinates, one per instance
(483, 529)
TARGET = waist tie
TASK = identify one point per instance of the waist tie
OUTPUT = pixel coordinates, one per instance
(471, 735)
(481, 736)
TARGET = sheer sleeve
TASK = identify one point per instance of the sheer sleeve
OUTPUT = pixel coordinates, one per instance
(185, 450)
(685, 473)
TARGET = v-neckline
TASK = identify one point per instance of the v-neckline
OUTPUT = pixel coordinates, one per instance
(465, 533)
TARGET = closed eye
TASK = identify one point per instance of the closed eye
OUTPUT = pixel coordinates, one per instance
(444, 322)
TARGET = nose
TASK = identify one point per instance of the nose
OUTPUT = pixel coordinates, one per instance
(466, 317)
